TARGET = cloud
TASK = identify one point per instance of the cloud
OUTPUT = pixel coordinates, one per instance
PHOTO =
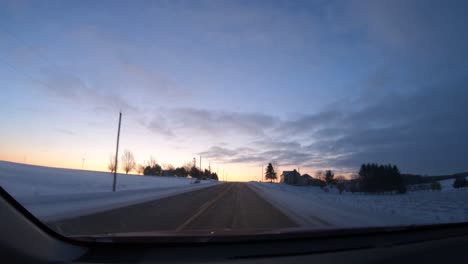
(234, 24)
(74, 90)
(424, 132)
(310, 123)
(233, 155)
(100, 73)
(200, 122)
(149, 83)
(65, 131)
(159, 126)
(275, 144)
(421, 30)
(218, 152)
(288, 154)
(406, 100)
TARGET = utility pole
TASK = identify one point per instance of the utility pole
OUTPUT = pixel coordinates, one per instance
(117, 153)
(201, 171)
(82, 163)
(261, 178)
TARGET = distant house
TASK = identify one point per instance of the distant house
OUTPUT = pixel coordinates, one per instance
(294, 178)
(288, 177)
(302, 180)
(307, 179)
(312, 181)
(284, 176)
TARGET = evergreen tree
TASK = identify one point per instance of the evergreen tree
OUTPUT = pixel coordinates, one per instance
(460, 182)
(214, 176)
(381, 178)
(270, 173)
(329, 177)
(154, 170)
(195, 172)
(181, 172)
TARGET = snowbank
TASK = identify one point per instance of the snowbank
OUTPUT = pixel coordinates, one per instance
(27, 180)
(52, 193)
(313, 208)
(447, 185)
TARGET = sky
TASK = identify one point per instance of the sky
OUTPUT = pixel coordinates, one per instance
(311, 85)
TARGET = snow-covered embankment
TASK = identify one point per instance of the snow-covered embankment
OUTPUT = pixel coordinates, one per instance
(313, 208)
(53, 194)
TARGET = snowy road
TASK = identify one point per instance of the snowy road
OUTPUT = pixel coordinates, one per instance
(56, 207)
(229, 207)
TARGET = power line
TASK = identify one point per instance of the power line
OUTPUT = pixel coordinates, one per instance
(31, 49)
(261, 178)
(28, 76)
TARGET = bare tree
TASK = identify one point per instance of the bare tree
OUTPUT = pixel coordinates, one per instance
(140, 169)
(276, 167)
(340, 178)
(168, 166)
(320, 175)
(188, 165)
(111, 165)
(152, 162)
(128, 161)
(340, 183)
(329, 177)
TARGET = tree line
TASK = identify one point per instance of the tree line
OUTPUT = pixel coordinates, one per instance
(374, 178)
(380, 178)
(183, 171)
(460, 182)
(152, 168)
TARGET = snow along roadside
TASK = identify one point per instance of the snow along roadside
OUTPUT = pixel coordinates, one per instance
(305, 206)
(58, 207)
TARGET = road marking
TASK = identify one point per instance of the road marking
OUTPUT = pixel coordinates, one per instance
(204, 207)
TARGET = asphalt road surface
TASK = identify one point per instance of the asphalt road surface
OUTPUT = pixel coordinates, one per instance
(225, 207)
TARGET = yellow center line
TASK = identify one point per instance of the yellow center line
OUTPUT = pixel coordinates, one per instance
(203, 208)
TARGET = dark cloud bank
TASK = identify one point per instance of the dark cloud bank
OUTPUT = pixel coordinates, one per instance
(424, 132)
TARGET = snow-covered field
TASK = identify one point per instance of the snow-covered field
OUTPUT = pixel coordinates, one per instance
(52, 193)
(447, 185)
(314, 208)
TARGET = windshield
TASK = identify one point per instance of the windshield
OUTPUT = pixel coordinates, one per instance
(166, 118)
